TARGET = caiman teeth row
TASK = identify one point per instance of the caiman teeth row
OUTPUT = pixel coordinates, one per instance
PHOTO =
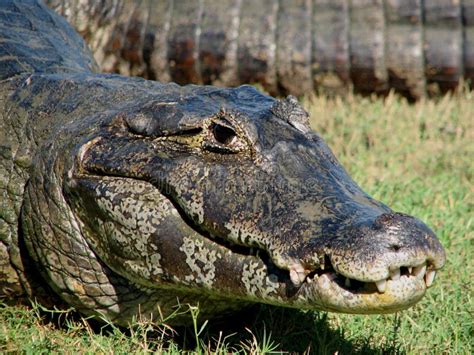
(419, 272)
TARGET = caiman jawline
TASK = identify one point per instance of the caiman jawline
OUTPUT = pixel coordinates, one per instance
(421, 272)
(300, 276)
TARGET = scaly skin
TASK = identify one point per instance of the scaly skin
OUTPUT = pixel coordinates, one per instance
(288, 46)
(130, 195)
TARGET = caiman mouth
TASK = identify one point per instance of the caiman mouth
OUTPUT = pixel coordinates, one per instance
(334, 291)
(425, 272)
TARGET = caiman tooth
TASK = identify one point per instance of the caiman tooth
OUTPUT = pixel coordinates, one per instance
(294, 277)
(419, 271)
(297, 277)
(429, 277)
(297, 273)
(410, 269)
(395, 274)
(381, 285)
(347, 282)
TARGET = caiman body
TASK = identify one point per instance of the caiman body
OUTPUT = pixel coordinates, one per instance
(413, 47)
(121, 196)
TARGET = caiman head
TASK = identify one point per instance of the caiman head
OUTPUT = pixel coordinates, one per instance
(228, 193)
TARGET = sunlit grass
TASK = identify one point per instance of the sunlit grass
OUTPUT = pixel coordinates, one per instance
(417, 158)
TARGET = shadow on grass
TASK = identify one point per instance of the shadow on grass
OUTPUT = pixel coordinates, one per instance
(291, 331)
(288, 330)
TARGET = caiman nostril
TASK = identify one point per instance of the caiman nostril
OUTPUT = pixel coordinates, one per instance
(395, 247)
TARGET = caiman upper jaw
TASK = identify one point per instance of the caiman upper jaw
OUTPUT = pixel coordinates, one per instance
(425, 272)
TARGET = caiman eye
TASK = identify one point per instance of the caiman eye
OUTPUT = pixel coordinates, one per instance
(223, 135)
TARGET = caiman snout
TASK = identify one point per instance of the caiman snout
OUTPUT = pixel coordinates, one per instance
(375, 264)
(380, 248)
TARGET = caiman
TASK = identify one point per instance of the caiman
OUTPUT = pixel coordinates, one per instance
(122, 197)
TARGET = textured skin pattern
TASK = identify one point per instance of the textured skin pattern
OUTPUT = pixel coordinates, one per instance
(125, 197)
(288, 46)
(29, 44)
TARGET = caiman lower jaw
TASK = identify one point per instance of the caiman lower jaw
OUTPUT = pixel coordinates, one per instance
(337, 293)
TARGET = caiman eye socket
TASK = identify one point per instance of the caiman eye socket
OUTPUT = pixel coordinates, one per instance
(223, 135)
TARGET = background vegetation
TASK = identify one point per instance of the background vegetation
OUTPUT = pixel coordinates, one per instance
(417, 158)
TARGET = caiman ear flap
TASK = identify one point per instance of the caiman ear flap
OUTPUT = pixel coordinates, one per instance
(161, 118)
(290, 110)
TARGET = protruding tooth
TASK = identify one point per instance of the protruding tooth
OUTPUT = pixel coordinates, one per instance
(381, 285)
(294, 277)
(395, 274)
(321, 266)
(410, 269)
(429, 277)
(297, 273)
(347, 282)
(297, 277)
(419, 271)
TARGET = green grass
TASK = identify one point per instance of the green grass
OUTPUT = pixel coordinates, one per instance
(417, 159)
